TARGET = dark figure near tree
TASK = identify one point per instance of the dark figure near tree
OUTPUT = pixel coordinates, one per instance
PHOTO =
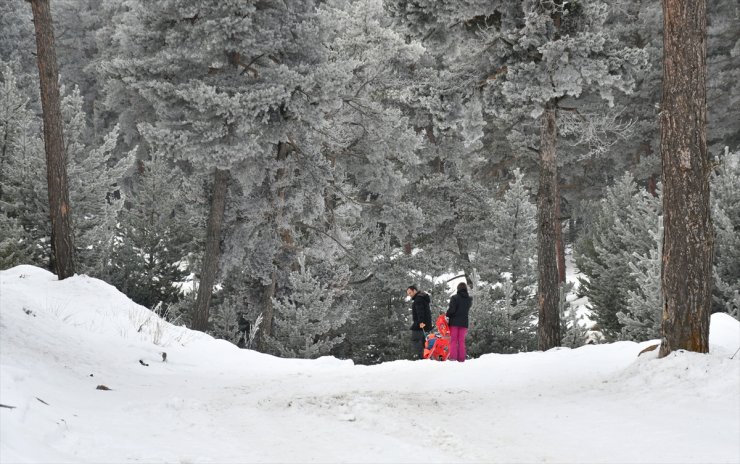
(421, 316)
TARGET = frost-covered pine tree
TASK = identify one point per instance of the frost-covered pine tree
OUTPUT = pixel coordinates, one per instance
(507, 257)
(510, 246)
(241, 97)
(723, 77)
(530, 60)
(572, 325)
(642, 315)
(446, 191)
(623, 231)
(80, 21)
(725, 201)
(498, 325)
(156, 233)
(359, 147)
(307, 320)
(24, 208)
(556, 52)
(18, 43)
(95, 193)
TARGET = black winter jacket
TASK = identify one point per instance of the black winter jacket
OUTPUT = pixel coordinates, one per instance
(459, 309)
(420, 311)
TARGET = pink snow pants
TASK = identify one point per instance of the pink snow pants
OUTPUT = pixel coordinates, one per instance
(457, 343)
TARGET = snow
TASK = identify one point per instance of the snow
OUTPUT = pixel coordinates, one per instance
(212, 402)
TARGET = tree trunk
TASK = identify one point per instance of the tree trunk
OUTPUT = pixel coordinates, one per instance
(548, 328)
(213, 249)
(2, 159)
(286, 238)
(56, 162)
(265, 330)
(462, 248)
(559, 242)
(513, 260)
(688, 237)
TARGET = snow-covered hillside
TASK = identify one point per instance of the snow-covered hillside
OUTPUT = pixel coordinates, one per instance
(211, 402)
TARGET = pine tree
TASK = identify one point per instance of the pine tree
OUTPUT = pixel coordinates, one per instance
(622, 232)
(444, 104)
(17, 43)
(95, 192)
(225, 323)
(24, 216)
(79, 22)
(725, 201)
(62, 246)
(642, 316)
(500, 326)
(574, 333)
(513, 239)
(688, 235)
(572, 326)
(241, 97)
(723, 77)
(377, 328)
(527, 63)
(307, 320)
(155, 236)
(347, 178)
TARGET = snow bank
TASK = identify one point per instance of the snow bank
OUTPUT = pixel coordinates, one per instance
(212, 402)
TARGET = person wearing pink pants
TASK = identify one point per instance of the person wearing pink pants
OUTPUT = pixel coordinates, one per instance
(458, 317)
(457, 343)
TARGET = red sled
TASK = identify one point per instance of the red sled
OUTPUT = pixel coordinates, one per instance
(437, 345)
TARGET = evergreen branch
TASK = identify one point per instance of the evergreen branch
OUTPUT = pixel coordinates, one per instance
(363, 280)
(345, 249)
(336, 240)
(248, 66)
(364, 84)
(431, 33)
(456, 277)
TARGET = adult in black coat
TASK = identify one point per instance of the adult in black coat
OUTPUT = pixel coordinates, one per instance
(421, 315)
(458, 315)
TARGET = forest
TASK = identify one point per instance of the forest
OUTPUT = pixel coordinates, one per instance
(277, 173)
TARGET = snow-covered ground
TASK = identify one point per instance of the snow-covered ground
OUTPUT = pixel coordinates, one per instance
(211, 402)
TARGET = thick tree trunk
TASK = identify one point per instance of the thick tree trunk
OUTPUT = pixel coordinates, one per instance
(688, 237)
(467, 265)
(56, 163)
(213, 249)
(286, 238)
(548, 328)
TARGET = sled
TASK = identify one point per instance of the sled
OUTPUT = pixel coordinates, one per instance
(437, 346)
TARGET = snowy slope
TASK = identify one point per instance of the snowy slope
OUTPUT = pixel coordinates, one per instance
(211, 402)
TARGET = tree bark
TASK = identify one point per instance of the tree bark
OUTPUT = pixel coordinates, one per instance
(265, 330)
(286, 238)
(688, 237)
(559, 242)
(548, 328)
(462, 248)
(56, 163)
(212, 251)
